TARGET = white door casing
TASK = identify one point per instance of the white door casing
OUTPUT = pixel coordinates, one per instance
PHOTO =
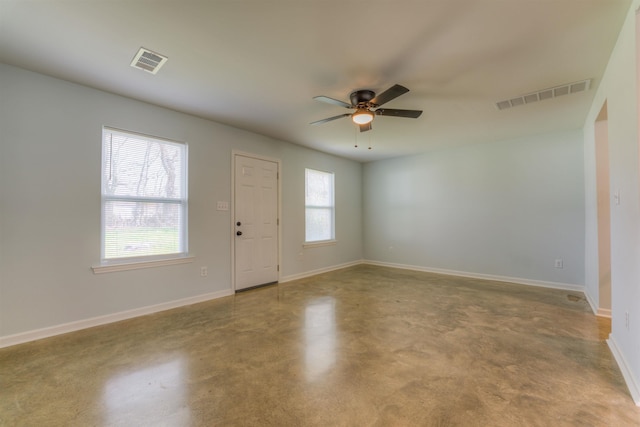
(255, 221)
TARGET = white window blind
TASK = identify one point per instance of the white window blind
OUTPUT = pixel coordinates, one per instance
(319, 206)
(144, 196)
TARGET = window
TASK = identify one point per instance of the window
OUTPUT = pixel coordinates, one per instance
(319, 206)
(144, 196)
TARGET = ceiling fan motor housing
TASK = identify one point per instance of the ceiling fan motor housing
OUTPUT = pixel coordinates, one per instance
(361, 97)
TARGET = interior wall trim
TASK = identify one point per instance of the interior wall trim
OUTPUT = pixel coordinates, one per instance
(592, 304)
(64, 328)
(632, 385)
(604, 312)
(23, 337)
(516, 280)
(292, 277)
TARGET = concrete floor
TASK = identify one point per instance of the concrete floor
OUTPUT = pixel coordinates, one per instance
(364, 346)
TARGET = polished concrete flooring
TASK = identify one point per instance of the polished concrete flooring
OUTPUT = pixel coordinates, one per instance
(363, 346)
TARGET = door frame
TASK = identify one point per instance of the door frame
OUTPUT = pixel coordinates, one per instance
(603, 216)
(232, 210)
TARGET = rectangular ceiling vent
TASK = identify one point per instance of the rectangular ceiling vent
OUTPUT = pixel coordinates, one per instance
(541, 95)
(148, 60)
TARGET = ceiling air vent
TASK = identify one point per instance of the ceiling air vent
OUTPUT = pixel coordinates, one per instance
(148, 60)
(541, 95)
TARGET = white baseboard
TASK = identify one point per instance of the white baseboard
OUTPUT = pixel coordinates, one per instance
(592, 304)
(291, 277)
(632, 382)
(64, 328)
(517, 280)
(23, 337)
(600, 312)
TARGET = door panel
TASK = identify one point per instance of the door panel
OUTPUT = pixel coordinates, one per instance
(256, 210)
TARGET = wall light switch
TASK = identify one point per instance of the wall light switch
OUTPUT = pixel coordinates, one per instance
(616, 197)
(222, 206)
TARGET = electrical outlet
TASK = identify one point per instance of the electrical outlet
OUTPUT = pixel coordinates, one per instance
(626, 320)
(204, 271)
(559, 263)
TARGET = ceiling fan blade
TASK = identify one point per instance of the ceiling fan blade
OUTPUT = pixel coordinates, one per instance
(411, 114)
(365, 127)
(389, 94)
(319, 122)
(332, 101)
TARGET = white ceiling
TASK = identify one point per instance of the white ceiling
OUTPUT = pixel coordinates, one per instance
(256, 64)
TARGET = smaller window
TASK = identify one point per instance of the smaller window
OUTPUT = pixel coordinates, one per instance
(319, 206)
(144, 196)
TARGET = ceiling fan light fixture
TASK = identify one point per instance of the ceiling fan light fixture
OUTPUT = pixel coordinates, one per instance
(366, 105)
(362, 117)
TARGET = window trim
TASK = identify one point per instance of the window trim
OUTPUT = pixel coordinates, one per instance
(318, 243)
(107, 265)
(138, 263)
(332, 240)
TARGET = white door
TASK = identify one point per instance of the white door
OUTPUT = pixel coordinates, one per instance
(255, 222)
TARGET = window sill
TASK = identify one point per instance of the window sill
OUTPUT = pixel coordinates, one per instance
(320, 243)
(135, 265)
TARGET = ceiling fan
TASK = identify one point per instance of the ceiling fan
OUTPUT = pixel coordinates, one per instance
(367, 105)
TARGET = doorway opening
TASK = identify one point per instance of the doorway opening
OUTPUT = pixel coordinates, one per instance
(604, 212)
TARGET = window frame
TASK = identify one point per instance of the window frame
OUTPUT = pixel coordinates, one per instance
(332, 208)
(144, 261)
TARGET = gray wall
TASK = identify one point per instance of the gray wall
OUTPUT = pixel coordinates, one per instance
(505, 209)
(619, 88)
(50, 149)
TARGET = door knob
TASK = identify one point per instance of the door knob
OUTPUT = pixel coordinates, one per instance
(238, 223)
(238, 233)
